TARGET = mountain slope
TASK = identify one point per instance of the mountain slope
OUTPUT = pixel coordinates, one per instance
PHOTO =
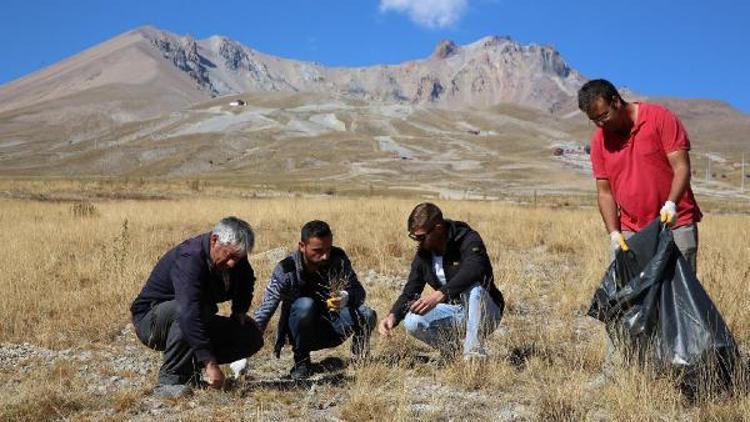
(128, 61)
(484, 117)
(180, 70)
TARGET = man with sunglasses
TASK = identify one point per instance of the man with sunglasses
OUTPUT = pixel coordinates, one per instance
(465, 303)
(639, 157)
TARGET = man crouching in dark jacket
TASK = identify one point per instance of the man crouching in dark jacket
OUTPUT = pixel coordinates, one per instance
(453, 260)
(322, 300)
(176, 310)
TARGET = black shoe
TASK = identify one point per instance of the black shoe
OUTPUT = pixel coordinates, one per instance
(331, 364)
(172, 391)
(301, 370)
(302, 366)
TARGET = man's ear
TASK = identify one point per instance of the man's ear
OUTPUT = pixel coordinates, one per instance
(301, 246)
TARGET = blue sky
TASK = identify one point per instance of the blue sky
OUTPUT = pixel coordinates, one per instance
(688, 48)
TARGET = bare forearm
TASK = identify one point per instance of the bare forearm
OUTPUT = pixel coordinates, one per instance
(680, 163)
(680, 182)
(608, 210)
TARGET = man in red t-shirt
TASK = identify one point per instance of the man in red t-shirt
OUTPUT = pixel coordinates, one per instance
(639, 157)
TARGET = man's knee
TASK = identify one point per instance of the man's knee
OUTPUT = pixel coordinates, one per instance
(476, 291)
(414, 323)
(251, 339)
(252, 346)
(303, 310)
(156, 326)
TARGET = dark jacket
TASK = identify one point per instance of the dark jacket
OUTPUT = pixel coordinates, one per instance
(185, 274)
(288, 284)
(465, 262)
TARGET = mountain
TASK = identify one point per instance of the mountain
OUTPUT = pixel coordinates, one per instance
(316, 142)
(179, 70)
(485, 116)
(125, 66)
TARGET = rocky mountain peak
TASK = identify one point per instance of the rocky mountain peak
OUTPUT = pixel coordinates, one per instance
(445, 49)
(234, 54)
(494, 41)
(183, 52)
(551, 60)
(489, 71)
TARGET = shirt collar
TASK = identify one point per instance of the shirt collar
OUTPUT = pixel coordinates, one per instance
(206, 248)
(640, 120)
(298, 264)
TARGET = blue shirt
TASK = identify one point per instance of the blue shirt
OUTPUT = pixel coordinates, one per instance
(186, 274)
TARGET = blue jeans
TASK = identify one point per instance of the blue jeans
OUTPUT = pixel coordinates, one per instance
(314, 329)
(442, 328)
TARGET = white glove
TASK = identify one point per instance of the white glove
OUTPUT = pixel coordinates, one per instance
(617, 241)
(238, 367)
(344, 299)
(668, 213)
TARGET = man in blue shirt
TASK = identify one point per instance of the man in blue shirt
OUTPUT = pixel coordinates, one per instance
(176, 310)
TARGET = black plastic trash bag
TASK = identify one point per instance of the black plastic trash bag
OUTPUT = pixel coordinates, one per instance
(652, 304)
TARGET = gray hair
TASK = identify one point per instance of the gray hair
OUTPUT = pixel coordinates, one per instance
(236, 232)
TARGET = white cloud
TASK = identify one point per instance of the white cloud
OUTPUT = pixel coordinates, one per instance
(429, 13)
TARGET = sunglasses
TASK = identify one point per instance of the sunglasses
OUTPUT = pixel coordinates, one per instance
(421, 237)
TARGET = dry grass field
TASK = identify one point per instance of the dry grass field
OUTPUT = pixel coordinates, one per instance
(69, 270)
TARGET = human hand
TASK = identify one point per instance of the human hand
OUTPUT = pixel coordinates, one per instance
(617, 241)
(425, 304)
(668, 213)
(385, 328)
(215, 375)
(338, 301)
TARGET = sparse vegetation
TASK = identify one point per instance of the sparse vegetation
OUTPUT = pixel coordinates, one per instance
(68, 282)
(83, 209)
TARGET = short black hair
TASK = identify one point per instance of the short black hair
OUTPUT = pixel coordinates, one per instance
(593, 89)
(315, 228)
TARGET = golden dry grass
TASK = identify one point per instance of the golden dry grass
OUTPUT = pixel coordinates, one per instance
(68, 277)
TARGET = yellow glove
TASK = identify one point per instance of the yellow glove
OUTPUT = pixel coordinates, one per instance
(668, 213)
(617, 241)
(337, 302)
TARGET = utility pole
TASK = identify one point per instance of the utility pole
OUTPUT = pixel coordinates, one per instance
(708, 166)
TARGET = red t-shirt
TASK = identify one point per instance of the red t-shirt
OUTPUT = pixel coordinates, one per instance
(638, 170)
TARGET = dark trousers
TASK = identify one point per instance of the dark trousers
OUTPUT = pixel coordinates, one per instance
(313, 328)
(160, 330)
